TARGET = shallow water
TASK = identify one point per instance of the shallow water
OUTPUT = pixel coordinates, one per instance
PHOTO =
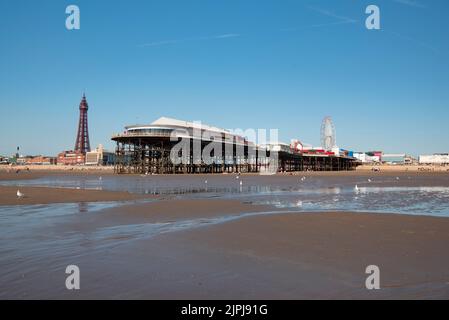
(38, 226)
(28, 231)
(37, 241)
(205, 184)
(407, 194)
(432, 201)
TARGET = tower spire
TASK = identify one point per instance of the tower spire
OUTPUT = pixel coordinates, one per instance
(82, 143)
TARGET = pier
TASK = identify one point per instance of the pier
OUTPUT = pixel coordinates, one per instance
(149, 150)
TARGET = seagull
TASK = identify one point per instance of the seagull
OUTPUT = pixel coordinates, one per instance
(101, 178)
(299, 203)
(397, 178)
(369, 180)
(303, 178)
(241, 183)
(356, 188)
(19, 194)
(205, 181)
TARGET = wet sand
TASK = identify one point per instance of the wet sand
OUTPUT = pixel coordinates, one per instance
(267, 256)
(169, 248)
(324, 255)
(194, 183)
(23, 174)
(389, 171)
(44, 195)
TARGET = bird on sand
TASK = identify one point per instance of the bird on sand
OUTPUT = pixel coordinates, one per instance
(19, 194)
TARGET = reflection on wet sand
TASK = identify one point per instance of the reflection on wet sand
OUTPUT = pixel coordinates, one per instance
(264, 239)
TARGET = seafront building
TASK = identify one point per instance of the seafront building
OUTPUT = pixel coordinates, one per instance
(378, 157)
(149, 149)
(438, 159)
(397, 158)
(71, 158)
(100, 157)
(36, 160)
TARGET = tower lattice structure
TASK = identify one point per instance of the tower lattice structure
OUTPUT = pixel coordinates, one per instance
(82, 144)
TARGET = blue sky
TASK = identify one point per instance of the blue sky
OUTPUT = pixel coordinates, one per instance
(231, 63)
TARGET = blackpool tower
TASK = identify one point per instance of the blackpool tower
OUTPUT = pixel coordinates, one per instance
(82, 144)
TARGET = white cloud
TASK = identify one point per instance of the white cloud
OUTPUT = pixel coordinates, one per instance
(411, 3)
(333, 15)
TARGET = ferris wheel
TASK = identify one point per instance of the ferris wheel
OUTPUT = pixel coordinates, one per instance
(328, 135)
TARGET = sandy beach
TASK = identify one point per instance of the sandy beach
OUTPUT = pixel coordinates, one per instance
(43, 195)
(203, 245)
(405, 168)
(34, 172)
(266, 256)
